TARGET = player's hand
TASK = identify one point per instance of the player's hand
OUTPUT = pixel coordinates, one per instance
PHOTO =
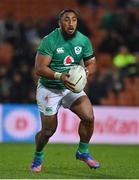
(87, 72)
(67, 83)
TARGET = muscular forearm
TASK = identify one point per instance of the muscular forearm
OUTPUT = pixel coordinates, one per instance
(45, 71)
(91, 67)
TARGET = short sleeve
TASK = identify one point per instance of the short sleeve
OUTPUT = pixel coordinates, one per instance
(88, 50)
(45, 47)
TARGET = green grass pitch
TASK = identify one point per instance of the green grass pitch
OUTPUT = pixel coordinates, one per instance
(117, 162)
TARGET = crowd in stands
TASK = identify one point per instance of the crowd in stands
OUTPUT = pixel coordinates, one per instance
(116, 81)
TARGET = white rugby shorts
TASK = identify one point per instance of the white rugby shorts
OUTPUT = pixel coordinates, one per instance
(50, 100)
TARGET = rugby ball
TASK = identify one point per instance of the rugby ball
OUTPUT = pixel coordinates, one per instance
(78, 77)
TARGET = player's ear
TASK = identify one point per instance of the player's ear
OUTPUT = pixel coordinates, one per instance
(59, 23)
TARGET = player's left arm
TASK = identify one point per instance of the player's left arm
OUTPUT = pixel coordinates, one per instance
(89, 58)
(90, 67)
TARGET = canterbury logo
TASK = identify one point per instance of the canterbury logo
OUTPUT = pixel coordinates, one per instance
(60, 50)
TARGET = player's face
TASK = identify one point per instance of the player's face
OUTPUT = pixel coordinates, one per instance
(68, 23)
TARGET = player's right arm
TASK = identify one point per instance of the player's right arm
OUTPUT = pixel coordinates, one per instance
(42, 69)
(41, 66)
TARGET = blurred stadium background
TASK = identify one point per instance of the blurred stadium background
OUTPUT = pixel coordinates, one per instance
(113, 27)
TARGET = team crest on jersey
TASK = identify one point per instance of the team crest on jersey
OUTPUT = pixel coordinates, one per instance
(60, 50)
(78, 49)
(68, 60)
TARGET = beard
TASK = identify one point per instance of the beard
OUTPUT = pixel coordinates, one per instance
(68, 35)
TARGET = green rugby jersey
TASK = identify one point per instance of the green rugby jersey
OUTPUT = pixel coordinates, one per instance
(64, 53)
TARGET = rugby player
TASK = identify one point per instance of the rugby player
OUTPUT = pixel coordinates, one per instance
(57, 52)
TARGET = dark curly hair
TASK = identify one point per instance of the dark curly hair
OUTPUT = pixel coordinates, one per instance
(65, 11)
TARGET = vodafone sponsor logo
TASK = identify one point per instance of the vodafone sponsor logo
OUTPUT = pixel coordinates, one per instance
(68, 60)
(20, 124)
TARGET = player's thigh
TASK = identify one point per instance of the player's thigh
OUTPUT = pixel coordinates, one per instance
(49, 122)
(70, 97)
(83, 108)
